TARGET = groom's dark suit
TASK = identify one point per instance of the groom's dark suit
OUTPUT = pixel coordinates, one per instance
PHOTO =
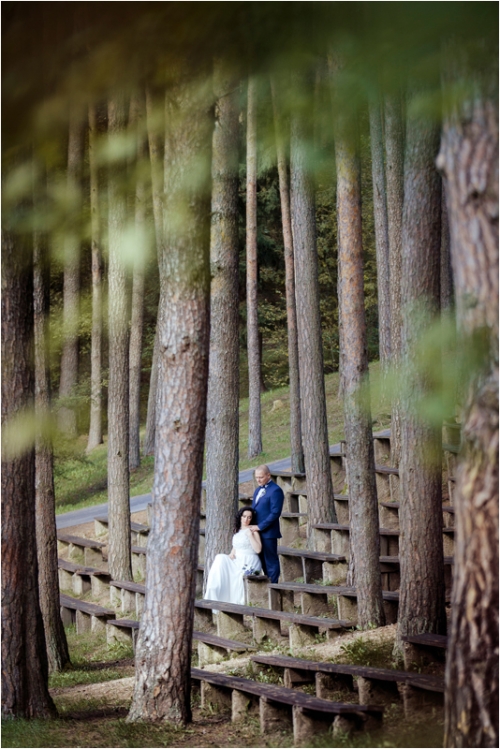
(268, 510)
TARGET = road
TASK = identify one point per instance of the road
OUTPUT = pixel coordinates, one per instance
(87, 514)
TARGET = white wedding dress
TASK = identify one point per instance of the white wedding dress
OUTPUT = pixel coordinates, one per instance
(225, 579)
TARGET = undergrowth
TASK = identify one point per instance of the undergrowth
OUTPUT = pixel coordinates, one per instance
(363, 652)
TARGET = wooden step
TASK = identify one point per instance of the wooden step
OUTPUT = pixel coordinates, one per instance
(296, 501)
(81, 549)
(128, 595)
(424, 649)
(211, 649)
(311, 565)
(87, 616)
(288, 480)
(382, 447)
(334, 538)
(279, 707)
(122, 630)
(313, 600)
(389, 515)
(290, 525)
(139, 531)
(384, 685)
(230, 620)
(81, 579)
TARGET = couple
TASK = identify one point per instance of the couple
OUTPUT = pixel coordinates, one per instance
(255, 544)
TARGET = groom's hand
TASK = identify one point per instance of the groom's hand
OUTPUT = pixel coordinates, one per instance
(254, 528)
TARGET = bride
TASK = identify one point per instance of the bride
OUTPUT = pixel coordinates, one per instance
(225, 579)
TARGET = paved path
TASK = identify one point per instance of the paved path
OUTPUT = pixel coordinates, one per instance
(87, 514)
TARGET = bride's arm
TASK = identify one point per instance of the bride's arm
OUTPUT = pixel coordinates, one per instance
(254, 537)
(232, 554)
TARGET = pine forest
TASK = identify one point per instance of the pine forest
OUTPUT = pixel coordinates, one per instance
(250, 374)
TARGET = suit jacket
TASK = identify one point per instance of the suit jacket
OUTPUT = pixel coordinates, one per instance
(268, 510)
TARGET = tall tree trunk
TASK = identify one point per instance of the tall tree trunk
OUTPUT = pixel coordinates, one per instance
(313, 401)
(24, 660)
(163, 656)
(156, 159)
(222, 436)
(71, 292)
(363, 505)
(446, 271)
(119, 552)
(297, 451)
(138, 280)
(254, 363)
(421, 600)
(46, 534)
(156, 132)
(381, 233)
(394, 160)
(95, 428)
(148, 447)
(469, 159)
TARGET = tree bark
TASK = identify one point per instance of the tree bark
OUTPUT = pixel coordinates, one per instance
(363, 506)
(469, 159)
(254, 363)
(71, 293)
(119, 553)
(222, 436)
(95, 428)
(421, 598)
(313, 401)
(446, 271)
(24, 660)
(394, 158)
(163, 656)
(297, 451)
(155, 128)
(46, 534)
(381, 234)
(138, 281)
(156, 159)
(148, 447)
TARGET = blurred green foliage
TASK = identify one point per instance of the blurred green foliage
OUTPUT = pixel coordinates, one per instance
(60, 57)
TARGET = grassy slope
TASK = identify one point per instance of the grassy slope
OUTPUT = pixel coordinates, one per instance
(81, 479)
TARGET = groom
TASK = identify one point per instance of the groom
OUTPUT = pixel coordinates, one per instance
(268, 502)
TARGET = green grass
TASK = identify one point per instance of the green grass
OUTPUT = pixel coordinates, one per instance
(363, 652)
(93, 660)
(89, 732)
(81, 479)
(116, 732)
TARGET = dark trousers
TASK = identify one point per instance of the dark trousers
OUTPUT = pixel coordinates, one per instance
(269, 558)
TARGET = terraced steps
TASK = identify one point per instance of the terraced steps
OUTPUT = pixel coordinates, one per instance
(80, 579)
(86, 615)
(283, 708)
(81, 550)
(211, 648)
(313, 600)
(383, 685)
(235, 622)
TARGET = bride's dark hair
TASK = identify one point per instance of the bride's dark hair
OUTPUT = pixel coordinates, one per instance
(238, 516)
